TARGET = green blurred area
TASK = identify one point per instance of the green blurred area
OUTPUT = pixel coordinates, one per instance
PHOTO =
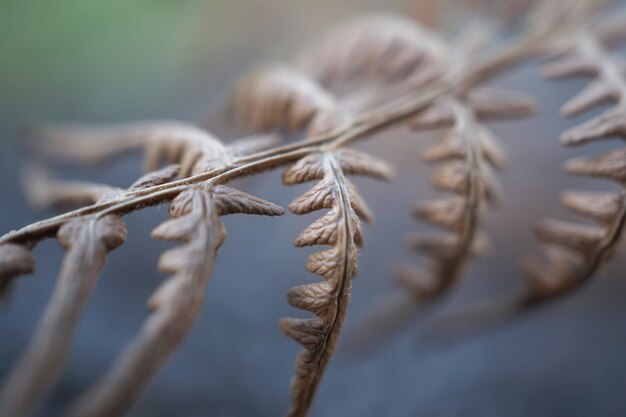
(76, 51)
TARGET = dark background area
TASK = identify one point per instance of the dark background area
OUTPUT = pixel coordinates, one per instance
(118, 61)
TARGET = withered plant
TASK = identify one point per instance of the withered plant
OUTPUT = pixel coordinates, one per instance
(357, 81)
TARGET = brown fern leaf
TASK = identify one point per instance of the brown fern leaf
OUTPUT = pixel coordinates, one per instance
(87, 242)
(378, 47)
(177, 302)
(576, 252)
(158, 177)
(339, 228)
(467, 155)
(15, 260)
(43, 192)
(194, 149)
(279, 98)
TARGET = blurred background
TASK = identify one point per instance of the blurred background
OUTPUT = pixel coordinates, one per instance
(116, 61)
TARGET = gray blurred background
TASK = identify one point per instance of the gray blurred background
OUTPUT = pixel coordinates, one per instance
(117, 60)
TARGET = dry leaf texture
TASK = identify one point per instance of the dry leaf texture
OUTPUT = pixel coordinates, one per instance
(575, 252)
(279, 98)
(382, 60)
(373, 48)
(340, 229)
(467, 156)
(177, 302)
(194, 149)
(87, 242)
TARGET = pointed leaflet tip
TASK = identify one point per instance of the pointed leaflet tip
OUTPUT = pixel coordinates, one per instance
(323, 231)
(309, 168)
(492, 104)
(610, 165)
(570, 65)
(304, 331)
(610, 123)
(176, 259)
(596, 93)
(154, 178)
(232, 201)
(177, 229)
(316, 198)
(579, 237)
(448, 213)
(453, 146)
(553, 275)
(353, 162)
(313, 297)
(601, 207)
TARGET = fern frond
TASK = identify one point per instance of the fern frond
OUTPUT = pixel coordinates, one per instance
(280, 98)
(87, 242)
(339, 228)
(158, 177)
(380, 47)
(576, 252)
(194, 149)
(177, 302)
(467, 157)
(42, 192)
(366, 77)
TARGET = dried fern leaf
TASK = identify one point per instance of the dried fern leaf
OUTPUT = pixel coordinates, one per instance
(154, 178)
(384, 48)
(488, 105)
(339, 228)
(177, 302)
(578, 251)
(87, 242)
(194, 149)
(466, 156)
(43, 192)
(278, 98)
(15, 260)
